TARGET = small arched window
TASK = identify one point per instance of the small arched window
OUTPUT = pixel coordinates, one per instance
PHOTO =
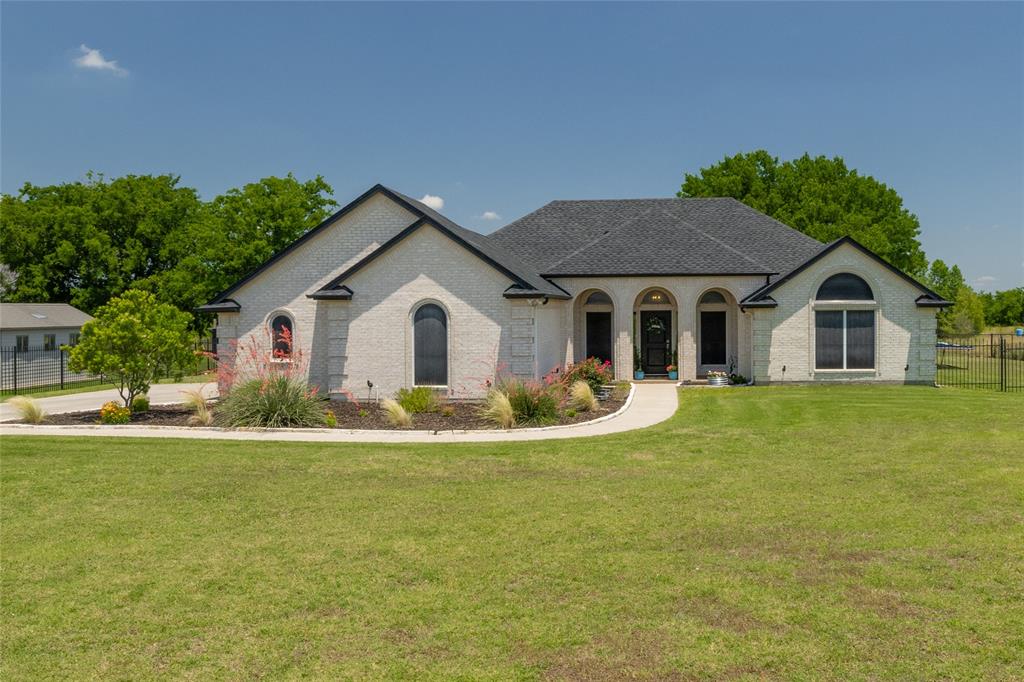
(712, 297)
(845, 287)
(430, 346)
(655, 297)
(599, 298)
(283, 333)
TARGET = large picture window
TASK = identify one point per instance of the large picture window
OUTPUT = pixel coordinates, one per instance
(430, 346)
(844, 338)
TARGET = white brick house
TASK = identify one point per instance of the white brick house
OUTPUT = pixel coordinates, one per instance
(388, 291)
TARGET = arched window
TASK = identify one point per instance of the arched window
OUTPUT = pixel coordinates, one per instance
(430, 346)
(844, 337)
(599, 298)
(655, 297)
(844, 287)
(712, 297)
(283, 333)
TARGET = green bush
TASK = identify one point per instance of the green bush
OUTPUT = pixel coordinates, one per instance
(271, 403)
(570, 413)
(592, 371)
(532, 403)
(419, 399)
(112, 413)
(330, 420)
(140, 404)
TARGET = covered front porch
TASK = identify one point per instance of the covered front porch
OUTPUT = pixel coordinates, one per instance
(662, 330)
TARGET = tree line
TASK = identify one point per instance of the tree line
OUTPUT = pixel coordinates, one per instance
(86, 242)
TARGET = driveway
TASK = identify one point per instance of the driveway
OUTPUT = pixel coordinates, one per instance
(650, 405)
(159, 394)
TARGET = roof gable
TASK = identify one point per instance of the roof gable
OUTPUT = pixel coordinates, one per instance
(41, 316)
(762, 298)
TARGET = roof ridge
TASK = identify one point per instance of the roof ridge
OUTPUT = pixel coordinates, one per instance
(595, 240)
(718, 241)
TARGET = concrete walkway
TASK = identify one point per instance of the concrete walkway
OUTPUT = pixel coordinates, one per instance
(649, 404)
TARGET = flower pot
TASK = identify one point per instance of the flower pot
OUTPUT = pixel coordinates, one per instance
(718, 381)
(673, 375)
(638, 374)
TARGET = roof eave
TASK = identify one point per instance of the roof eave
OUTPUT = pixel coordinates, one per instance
(342, 293)
(226, 306)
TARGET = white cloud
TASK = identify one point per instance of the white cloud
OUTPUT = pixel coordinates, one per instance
(489, 215)
(93, 59)
(984, 281)
(434, 202)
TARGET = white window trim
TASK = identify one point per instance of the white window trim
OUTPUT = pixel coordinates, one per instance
(835, 306)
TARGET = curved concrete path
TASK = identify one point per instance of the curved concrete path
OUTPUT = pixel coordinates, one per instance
(649, 405)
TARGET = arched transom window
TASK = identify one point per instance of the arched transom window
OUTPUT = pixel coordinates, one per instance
(712, 297)
(282, 332)
(844, 287)
(430, 346)
(844, 333)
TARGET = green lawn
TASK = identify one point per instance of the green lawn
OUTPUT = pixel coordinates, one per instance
(790, 533)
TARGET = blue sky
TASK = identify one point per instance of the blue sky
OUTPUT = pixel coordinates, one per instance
(499, 108)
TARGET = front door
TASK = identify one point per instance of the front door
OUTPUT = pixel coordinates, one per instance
(656, 340)
(599, 336)
(712, 337)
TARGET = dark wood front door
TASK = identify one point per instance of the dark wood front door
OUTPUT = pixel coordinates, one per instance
(712, 337)
(655, 340)
(599, 336)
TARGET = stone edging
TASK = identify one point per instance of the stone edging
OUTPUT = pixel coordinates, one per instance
(361, 432)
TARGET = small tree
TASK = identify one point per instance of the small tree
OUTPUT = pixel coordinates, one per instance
(131, 338)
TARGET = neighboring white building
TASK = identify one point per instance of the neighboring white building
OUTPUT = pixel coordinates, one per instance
(391, 292)
(40, 326)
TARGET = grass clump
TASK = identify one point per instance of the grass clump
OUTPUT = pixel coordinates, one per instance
(498, 409)
(271, 403)
(140, 404)
(581, 397)
(28, 409)
(532, 402)
(194, 400)
(396, 415)
(330, 419)
(417, 400)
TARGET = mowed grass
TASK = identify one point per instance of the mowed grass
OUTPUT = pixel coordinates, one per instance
(792, 533)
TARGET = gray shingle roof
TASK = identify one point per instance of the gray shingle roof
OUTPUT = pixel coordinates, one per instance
(41, 316)
(654, 237)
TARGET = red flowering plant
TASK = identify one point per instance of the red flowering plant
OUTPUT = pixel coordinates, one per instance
(266, 384)
(593, 371)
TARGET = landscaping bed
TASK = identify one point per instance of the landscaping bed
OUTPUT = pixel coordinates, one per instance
(456, 416)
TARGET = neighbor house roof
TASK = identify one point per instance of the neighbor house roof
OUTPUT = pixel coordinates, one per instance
(41, 316)
(762, 297)
(654, 237)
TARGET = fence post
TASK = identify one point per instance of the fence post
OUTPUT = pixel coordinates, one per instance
(15, 369)
(1002, 364)
(61, 351)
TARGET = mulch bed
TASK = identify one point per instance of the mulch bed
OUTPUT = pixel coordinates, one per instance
(464, 416)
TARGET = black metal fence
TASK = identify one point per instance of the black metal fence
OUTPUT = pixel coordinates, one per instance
(36, 369)
(992, 361)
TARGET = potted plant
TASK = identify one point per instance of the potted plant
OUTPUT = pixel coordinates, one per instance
(638, 372)
(673, 368)
(718, 378)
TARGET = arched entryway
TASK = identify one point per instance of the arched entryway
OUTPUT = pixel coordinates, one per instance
(655, 323)
(594, 326)
(716, 332)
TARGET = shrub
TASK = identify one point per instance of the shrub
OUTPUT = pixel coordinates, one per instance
(112, 413)
(28, 409)
(396, 414)
(416, 400)
(592, 371)
(140, 404)
(737, 379)
(498, 409)
(570, 413)
(621, 391)
(363, 413)
(274, 402)
(581, 397)
(330, 419)
(195, 401)
(532, 403)
(133, 338)
(448, 411)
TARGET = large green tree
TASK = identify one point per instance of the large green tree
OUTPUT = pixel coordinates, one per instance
(84, 242)
(822, 198)
(1004, 308)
